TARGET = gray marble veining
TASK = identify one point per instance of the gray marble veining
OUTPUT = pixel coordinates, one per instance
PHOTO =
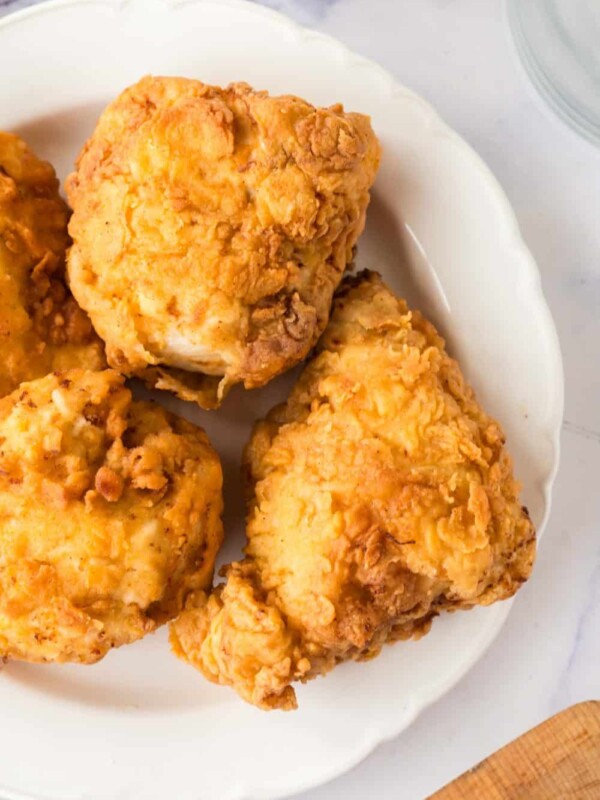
(459, 55)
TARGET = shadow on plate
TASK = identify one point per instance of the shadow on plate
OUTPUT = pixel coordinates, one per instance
(59, 137)
(143, 677)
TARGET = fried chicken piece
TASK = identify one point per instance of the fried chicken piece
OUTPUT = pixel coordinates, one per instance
(211, 227)
(380, 494)
(109, 514)
(41, 326)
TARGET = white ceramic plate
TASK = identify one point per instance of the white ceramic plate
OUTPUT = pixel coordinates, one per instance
(141, 724)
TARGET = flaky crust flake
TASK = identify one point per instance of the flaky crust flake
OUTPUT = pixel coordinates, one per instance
(41, 326)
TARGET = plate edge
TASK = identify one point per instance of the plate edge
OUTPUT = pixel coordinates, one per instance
(513, 237)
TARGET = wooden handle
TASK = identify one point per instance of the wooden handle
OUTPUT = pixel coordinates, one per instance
(558, 760)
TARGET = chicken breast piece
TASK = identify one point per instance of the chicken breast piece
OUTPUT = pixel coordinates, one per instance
(109, 514)
(380, 495)
(211, 227)
(41, 326)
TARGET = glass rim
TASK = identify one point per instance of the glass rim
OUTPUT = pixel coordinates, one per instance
(568, 110)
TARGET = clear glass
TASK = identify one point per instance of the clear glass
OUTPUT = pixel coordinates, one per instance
(559, 44)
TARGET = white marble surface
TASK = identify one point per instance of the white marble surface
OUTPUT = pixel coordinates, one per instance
(458, 55)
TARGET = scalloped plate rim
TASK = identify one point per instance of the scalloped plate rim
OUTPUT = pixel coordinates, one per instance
(512, 234)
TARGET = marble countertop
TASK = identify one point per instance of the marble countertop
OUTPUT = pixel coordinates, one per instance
(458, 54)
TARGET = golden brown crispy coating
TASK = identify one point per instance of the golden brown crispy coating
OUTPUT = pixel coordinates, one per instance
(211, 227)
(41, 326)
(109, 514)
(381, 494)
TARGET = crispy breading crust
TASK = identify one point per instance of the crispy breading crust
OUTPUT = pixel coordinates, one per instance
(211, 227)
(109, 515)
(380, 494)
(41, 326)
